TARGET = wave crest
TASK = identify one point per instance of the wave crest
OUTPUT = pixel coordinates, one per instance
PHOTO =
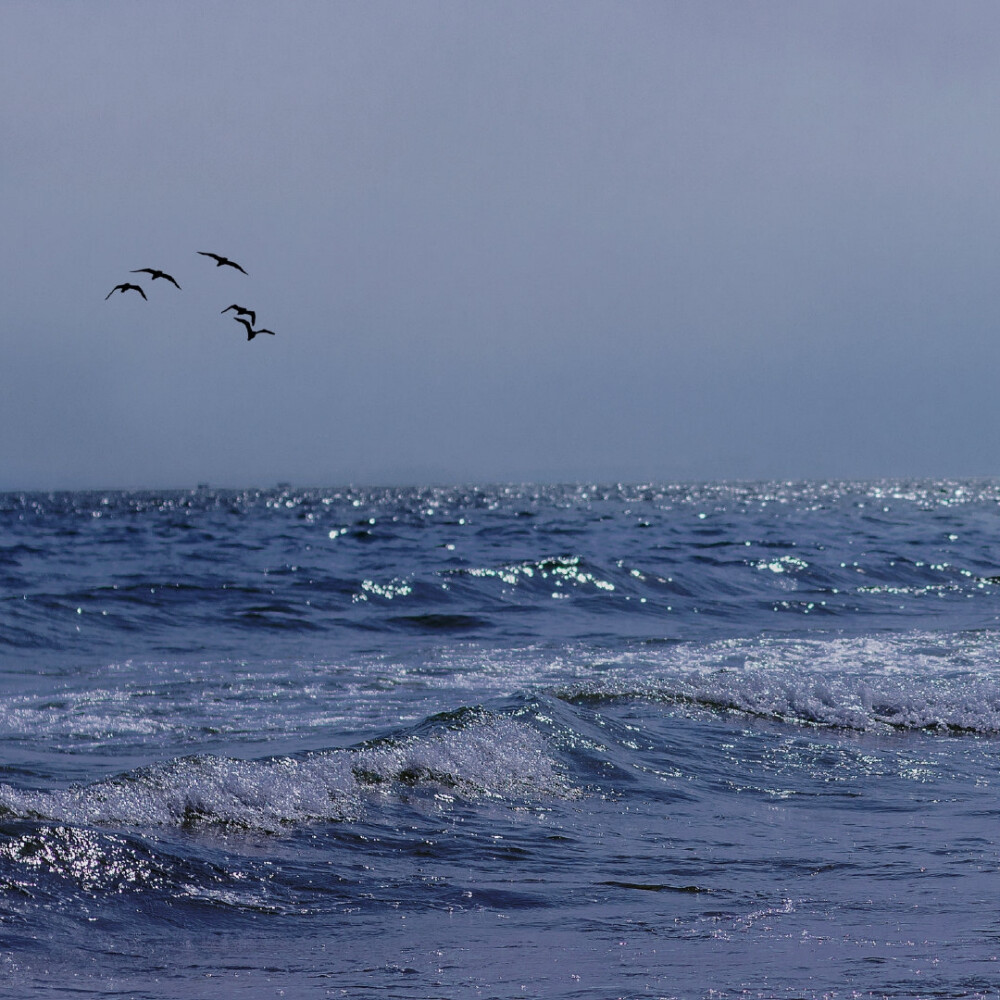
(490, 758)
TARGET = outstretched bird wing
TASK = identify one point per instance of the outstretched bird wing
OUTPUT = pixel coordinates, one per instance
(220, 260)
(123, 288)
(251, 333)
(240, 311)
(156, 274)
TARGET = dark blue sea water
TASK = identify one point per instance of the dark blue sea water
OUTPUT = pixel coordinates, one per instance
(577, 742)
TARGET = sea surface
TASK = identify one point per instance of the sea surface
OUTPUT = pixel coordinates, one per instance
(583, 742)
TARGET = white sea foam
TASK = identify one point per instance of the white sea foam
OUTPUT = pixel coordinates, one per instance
(906, 681)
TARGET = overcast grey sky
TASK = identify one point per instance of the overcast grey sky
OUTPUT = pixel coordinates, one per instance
(499, 241)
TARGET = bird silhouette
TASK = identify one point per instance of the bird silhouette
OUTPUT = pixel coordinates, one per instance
(123, 288)
(240, 311)
(220, 261)
(155, 274)
(251, 332)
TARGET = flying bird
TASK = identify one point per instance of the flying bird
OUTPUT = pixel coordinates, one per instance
(123, 288)
(220, 261)
(251, 332)
(240, 311)
(156, 274)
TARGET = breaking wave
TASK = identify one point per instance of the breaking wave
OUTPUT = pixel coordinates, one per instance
(481, 758)
(916, 681)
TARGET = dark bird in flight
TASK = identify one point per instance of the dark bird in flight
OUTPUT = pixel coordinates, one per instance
(123, 288)
(219, 261)
(240, 311)
(156, 274)
(251, 332)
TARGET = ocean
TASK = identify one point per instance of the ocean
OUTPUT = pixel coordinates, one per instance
(582, 742)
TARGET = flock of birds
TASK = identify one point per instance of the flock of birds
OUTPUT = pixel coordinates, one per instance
(220, 261)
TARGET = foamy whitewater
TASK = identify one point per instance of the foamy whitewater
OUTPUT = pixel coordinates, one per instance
(581, 742)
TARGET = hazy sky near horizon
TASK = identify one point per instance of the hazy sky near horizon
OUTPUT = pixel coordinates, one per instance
(499, 241)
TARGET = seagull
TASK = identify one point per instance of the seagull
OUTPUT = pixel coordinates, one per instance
(219, 261)
(156, 274)
(251, 332)
(240, 311)
(123, 288)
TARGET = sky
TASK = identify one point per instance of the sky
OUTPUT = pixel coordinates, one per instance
(533, 240)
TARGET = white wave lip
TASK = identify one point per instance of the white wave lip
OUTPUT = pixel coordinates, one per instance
(497, 758)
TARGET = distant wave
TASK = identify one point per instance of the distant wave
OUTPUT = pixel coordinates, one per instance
(913, 681)
(207, 569)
